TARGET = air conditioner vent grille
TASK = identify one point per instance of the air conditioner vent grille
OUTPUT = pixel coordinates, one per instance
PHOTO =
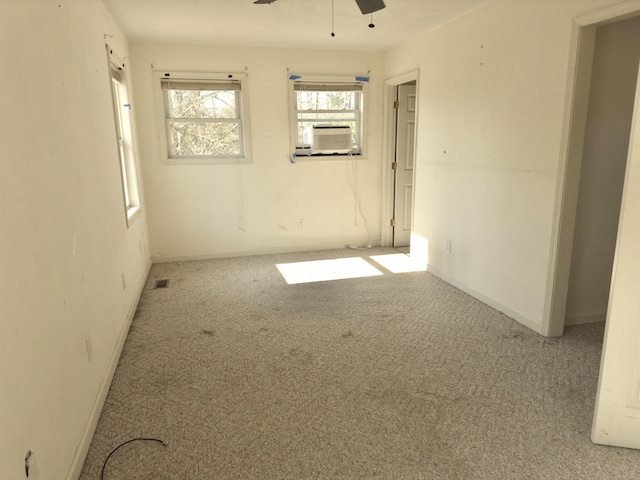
(325, 139)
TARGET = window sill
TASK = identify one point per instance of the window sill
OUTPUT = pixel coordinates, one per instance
(343, 156)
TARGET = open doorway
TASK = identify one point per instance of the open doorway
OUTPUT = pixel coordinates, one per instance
(611, 118)
(597, 139)
(602, 173)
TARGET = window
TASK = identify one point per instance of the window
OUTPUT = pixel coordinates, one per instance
(124, 136)
(327, 107)
(204, 117)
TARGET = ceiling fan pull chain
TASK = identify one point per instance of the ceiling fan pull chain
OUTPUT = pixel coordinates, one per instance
(333, 19)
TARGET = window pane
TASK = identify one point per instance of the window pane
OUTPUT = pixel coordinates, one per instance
(198, 138)
(202, 104)
(326, 100)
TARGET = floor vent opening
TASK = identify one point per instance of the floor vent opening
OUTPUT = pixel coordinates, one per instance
(162, 284)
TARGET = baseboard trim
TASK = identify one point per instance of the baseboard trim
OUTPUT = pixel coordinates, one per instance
(585, 319)
(522, 319)
(87, 436)
(250, 253)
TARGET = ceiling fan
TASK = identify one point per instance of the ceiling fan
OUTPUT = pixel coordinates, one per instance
(366, 6)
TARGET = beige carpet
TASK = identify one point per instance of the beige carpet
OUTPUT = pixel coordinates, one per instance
(395, 376)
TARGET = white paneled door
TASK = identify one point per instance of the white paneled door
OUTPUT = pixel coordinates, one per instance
(404, 166)
(617, 414)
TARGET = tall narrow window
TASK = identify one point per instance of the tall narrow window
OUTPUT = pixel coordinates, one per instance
(205, 118)
(124, 137)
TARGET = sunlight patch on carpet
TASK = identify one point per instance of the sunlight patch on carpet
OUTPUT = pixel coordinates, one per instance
(325, 270)
(398, 263)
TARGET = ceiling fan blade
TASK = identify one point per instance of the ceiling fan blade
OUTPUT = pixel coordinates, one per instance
(263, 2)
(370, 6)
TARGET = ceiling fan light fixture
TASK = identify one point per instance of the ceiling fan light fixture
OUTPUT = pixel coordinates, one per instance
(370, 6)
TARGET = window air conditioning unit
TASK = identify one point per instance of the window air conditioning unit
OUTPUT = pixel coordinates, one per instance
(328, 139)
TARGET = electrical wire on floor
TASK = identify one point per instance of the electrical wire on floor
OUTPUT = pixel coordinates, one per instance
(353, 181)
(104, 465)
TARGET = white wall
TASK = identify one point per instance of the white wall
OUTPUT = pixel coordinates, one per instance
(63, 237)
(198, 211)
(492, 98)
(613, 84)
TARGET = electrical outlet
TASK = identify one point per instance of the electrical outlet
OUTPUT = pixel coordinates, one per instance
(89, 344)
(447, 247)
(124, 281)
(301, 223)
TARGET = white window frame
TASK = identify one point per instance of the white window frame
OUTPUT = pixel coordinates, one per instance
(124, 135)
(326, 82)
(192, 78)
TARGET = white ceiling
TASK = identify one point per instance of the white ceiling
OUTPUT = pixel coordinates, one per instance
(285, 23)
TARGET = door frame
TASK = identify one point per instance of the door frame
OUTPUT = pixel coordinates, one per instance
(388, 151)
(582, 46)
